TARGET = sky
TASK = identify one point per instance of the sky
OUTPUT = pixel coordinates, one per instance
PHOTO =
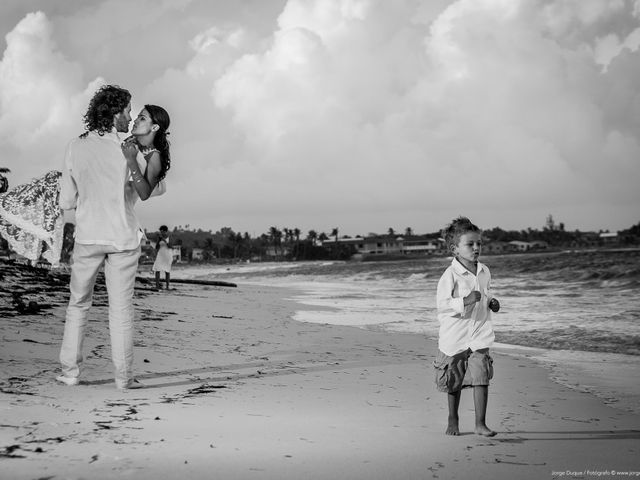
(363, 115)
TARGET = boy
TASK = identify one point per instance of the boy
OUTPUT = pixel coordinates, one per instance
(464, 302)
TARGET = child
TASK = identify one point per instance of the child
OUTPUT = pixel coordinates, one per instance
(464, 302)
(164, 257)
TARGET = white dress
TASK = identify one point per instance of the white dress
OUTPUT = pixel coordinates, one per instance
(164, 258)
(31, 220)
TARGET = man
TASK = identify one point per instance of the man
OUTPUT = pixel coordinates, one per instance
(94, 183)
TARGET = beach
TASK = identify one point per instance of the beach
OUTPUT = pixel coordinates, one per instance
(235, 388)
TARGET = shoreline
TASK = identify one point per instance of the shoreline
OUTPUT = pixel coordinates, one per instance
(602, 374)
(235, 388)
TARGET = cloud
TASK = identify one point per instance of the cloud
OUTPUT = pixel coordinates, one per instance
(487, 98)
(41, 94)
(355, 110)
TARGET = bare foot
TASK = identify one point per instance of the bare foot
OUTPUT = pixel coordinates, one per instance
(484, 431)
(452, 428)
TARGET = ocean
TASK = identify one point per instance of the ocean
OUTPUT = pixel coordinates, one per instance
(574, 311)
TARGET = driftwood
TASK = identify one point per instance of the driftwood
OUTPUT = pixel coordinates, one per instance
(215, 283)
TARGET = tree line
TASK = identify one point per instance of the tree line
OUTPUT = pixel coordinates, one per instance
(291, 244)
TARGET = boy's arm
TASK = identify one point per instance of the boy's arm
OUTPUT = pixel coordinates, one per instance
(446, 303)
(492, 302)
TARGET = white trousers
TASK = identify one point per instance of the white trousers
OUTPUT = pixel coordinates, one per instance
(120, 269)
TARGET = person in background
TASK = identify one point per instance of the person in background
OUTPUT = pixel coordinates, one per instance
(164, 257)
(464, 304)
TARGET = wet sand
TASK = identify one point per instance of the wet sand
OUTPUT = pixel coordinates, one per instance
(236, 389)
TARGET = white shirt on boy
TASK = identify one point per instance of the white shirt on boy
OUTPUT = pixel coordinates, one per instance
(461, 327)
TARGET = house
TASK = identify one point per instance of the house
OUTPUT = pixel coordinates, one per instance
(586, 239)
(385, 245)
(197, 254)
(380, 245)
(539, 245)
(495, 247)
(518, 246)
(609, 238)
(421, 245)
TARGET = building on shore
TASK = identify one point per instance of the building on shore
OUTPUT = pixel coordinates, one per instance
(387, 245)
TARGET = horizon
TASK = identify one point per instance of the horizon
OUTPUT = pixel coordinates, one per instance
(402, 232)
(361, 114)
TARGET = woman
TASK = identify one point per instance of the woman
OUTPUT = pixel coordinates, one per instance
(147, 151)
(30, 218)
(164, 258)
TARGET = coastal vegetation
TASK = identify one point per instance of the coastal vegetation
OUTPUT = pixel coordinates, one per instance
(291, 244)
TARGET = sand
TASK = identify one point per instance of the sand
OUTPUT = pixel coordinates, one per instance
(236, 389)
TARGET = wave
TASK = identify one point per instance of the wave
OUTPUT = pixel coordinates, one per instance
(575, 338)
(575, 301)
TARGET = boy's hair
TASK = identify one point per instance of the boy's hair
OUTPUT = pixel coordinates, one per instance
(456, 229)
(163, 228)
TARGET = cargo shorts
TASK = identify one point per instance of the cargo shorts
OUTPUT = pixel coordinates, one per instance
(464, 369)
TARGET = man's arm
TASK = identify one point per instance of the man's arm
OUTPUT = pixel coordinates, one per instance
(68, 189)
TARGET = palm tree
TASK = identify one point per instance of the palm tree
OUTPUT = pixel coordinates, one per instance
(312, 236)
(334, 233)
(296, 234)
(237, 240)
(408, 232)
(391, 232)
(275, 236)
(288, 235)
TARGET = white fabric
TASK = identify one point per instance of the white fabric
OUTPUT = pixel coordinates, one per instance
(164, 258)
(120, 272)
(94, 177)
(463, 327)
(31, 220)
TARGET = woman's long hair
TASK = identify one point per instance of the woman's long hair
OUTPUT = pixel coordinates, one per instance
(160, 117)
(108, 101)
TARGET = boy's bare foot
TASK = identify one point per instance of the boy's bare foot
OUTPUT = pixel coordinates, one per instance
(484, 431)
(452, 428)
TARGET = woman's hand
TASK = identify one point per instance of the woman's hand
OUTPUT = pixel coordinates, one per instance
(130, 151)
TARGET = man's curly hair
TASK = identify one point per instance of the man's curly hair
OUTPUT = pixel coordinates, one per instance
(108, 101)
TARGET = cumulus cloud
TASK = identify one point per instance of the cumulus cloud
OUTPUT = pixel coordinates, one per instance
(498, 98)
(41, 96)
(358, 112)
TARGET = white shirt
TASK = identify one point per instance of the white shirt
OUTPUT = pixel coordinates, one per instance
(94, 182)
(463, 327)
